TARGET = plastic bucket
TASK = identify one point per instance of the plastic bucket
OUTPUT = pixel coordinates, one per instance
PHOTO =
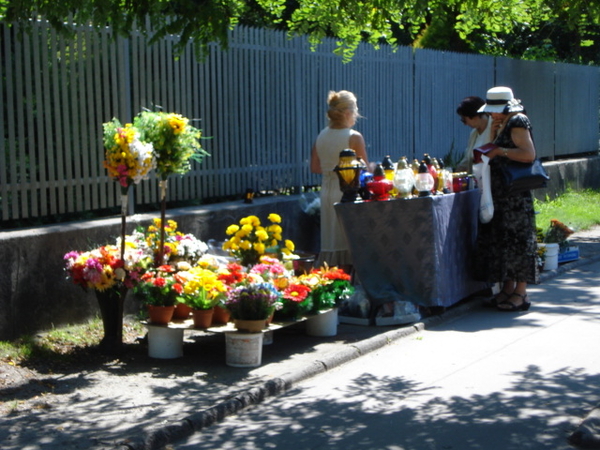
(243, 349)
(324, 323)
(165, 343)
(551, 259)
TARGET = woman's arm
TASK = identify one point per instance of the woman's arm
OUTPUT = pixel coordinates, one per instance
(357, 143)
(524, 150)
(315, 162)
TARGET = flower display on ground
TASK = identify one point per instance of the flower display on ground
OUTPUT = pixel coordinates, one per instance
(161, 286)
(250, 240)
(128, 159)
(174, 140)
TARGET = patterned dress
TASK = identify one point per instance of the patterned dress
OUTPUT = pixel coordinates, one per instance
(507, 245)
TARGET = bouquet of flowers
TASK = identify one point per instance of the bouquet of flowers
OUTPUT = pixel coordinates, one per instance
(250, 240)
(102, 268)
(174, 140)
(161, 286)
(558, 233)
(128, 159)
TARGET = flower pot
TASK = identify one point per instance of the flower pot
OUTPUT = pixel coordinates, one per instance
(220, 315)
(324, 323)
(202, 317)
(182, 311)
(250, 326)
(165, 343)
(111, 302)
(243, 349)
(160, 315)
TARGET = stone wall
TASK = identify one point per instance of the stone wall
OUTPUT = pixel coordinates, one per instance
(34, 294)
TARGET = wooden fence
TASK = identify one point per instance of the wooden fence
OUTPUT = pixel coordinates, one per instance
(260, 105)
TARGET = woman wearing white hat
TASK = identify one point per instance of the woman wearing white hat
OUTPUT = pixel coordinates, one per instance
(507, 244)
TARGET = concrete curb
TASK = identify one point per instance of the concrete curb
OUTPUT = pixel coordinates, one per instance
(587, 434)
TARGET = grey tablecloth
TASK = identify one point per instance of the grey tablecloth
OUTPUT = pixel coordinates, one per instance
(417, 250)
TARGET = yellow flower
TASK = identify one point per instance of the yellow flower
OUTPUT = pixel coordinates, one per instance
(231, 229)
(261, 234)
(245, 245)
(259, 247)
(177, 122)
(275, 218)
(289, 245)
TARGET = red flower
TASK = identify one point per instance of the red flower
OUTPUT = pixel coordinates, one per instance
(177, 287)
(159, 282)
(296, 292)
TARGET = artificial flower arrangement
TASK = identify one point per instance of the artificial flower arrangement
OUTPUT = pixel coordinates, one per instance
(330, 286)
(102, 268)
(128, 159)
(175, 142)
(558, 233)
(252, 300)
(161, 286)
(202, 288)
(250, 240)
(177, 245)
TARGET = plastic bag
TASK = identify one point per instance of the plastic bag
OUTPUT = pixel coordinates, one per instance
(486, 203)
(310, 203)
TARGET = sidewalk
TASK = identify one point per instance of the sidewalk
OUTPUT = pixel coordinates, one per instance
(141, 403)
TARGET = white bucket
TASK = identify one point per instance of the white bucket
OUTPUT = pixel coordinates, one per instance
(324, 323)
(165, 343)
(551, 258)
(243, 349)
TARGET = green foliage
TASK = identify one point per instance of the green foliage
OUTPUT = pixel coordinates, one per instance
(579, 210)
(543, 29)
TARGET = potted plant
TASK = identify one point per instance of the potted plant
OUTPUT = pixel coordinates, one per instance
(330, 287)
(251, 304)
(160, 288)
(202, 290)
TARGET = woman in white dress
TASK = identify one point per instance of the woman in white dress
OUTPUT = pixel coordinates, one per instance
(337, 136)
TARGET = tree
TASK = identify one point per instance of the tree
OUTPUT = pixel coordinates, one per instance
(566, 29)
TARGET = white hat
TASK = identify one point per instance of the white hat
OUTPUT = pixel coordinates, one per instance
(497, 98)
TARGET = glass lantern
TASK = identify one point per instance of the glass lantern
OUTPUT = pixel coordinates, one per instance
(404, 179)
(424, 181)
(348, 170)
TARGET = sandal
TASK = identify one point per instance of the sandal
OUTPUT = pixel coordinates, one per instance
(494, 301)
(509, 306)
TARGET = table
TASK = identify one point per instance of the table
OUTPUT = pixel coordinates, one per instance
(414, 250)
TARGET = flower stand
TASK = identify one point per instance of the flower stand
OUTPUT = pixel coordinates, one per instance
(165, 342)
(243, 349)
(323, 324)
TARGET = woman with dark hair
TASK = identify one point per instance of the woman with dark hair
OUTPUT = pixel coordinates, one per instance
(507, 245)
(468, 110)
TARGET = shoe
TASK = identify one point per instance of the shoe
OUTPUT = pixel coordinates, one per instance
(510, 306)
(494, 301)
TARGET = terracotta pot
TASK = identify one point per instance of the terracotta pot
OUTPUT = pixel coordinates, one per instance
(220, 315)
(160, 315)
(202, 317)
(250, 326)
(182, 311)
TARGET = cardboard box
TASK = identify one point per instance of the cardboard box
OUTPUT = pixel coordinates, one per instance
(570, 254)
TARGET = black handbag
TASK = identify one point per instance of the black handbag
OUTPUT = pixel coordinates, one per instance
(519, 177)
